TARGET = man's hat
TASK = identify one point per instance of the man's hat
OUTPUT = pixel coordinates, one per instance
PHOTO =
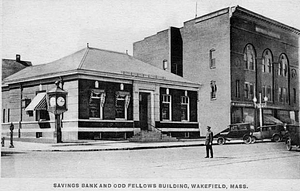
(208, 127)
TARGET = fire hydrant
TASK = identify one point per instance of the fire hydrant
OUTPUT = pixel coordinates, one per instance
(11, 128)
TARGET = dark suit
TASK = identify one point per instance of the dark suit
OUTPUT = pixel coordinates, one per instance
(208, 143)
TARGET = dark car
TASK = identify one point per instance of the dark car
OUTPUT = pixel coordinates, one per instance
(292, 136)
(238, 131)
(274, 132)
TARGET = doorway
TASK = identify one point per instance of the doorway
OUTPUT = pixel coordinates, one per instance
(144, 109)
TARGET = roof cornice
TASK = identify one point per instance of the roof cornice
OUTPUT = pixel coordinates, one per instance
(266, 19)
(120, 76)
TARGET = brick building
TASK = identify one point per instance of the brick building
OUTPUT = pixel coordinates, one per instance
(110, 95)
(237, 55)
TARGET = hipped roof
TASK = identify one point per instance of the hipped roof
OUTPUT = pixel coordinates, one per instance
(96, 60)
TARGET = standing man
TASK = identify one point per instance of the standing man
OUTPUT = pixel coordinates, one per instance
(208, 142)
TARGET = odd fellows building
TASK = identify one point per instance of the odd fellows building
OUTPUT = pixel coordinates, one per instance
(109, 95)
(237, 55)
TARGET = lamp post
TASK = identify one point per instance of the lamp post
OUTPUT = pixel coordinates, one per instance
(260, 105)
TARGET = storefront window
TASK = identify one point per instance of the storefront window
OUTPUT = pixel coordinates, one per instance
(236, 115)
(248, 115)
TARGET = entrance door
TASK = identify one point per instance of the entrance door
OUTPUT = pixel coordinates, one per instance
(144, 110)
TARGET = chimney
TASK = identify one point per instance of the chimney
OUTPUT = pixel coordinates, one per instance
(18, 57)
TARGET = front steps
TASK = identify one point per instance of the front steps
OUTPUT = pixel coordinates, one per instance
(152, 136)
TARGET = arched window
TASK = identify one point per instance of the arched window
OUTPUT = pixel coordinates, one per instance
(249, 57)
(267, 61)
(283, 65)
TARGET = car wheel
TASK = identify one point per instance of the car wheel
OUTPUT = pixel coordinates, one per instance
(221, 141)
(247, 139)
(289, 144)
(253, 139)
(276, 138)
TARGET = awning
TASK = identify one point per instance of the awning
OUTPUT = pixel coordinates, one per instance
(286, 119)
(269, 119)
(38, 102)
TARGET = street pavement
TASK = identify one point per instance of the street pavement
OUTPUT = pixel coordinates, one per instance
(97, 145)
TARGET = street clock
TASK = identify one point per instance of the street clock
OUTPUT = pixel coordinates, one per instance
(57, 100)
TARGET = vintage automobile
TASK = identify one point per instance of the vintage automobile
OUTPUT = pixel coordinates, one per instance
(273, 132)
(293, 137)
(238, 131)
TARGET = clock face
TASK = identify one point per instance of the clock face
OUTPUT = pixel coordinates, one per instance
(61, 101)
(52, 101)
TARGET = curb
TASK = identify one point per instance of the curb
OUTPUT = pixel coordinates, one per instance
(102, 149)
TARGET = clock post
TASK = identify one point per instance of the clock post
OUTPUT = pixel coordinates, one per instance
(57, 104)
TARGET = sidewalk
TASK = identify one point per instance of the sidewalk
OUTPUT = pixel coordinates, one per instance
(99, 145)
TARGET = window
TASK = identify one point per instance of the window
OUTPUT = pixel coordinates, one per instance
(212, 59)
(282, 95)
(237, 87)
(283, 65)
(285, 98)
(295, 95)
(166, 107)
(96, 104)
(42, 115)
(263, 90)
(8, 115)
(267, 61)
(267, 92)
(3, 116)
(294, 73)
(248, 90)
(249, 57)
(251, 91)
(121, 104)
(213, 94)
(184, 108)
(279, 95)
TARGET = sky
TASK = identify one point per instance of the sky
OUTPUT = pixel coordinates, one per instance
(42, 31)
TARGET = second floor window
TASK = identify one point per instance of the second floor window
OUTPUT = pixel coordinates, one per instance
(282, 95)
(248, 90)
(237, 86)
(267, 61)
(267, 92)
(283, 66)
(249, 57)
